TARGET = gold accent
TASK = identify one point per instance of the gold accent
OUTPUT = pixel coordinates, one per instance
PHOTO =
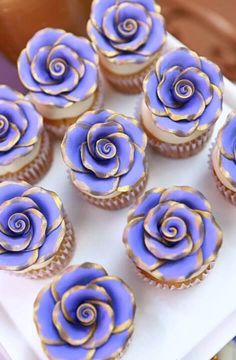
(43, 227)
(98, 174)
(63, 333)
(37, 189)
(76, 288)
(15, 248)
(34, 72)
(14, 141)
(219, 144)
(52, 91)
(221, 86)
(131, 212)
(131, 255)
(38, 327)
(31, 88)
(147, 99)
(71, 269)
(122, 47)
(32, 260)
(95, 343)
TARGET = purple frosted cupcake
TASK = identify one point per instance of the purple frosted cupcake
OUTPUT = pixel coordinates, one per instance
(129, 36)
(60, 71)
(36, 237)
(182, 101)
(105, 153)
(223, 159)
(172, 237)
(25, 149)
(85, 314)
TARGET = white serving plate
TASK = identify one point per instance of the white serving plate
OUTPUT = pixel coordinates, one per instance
(170, 325)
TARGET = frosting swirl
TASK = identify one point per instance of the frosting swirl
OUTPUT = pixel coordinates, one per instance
(85, 314)
(105, 152)
(126, 31)
(32, 226)
(225, 151)
(184, 92)
(171, 234)
(58, 68)
(20, 125)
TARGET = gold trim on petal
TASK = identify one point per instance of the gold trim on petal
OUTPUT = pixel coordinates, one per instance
(36, 308)
(63, 333)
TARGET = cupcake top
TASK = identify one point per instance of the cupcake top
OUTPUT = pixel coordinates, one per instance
(172, 235)
(126, 31)
(58, 68)
(20, 125)
(32, 226)
(105, 152)
(184, 93)
(85, 314)
(225, 151)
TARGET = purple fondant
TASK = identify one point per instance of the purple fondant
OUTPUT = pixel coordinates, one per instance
(184, 93)
(81, 293)
(172, 234)
(31, 225)
(58, 68)
(226, 144)
(105, 152)
(127, 31)
(20, 125)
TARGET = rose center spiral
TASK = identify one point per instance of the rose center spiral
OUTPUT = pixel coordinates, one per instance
(173, 229)
(57, 68)
(4, 125)
(184, 90)
(128, 27)
(105, 149)
(19, 223)
(86, 314)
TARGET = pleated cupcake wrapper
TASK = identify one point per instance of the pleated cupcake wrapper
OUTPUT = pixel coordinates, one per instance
(227, 193)
(120, 201)
(58, 262)
(37, 168)
(178, 286)
(175, 151)
(131, 84)
(59, 129)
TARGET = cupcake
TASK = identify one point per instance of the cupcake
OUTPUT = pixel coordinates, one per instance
(105, 153)
(223, 159)
(129, 36)
(25, 149)
(182, 101)
(85, 314)
(36, 237)
(172, 237)
(60, 71)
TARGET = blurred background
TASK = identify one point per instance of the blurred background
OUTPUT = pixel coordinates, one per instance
(208, 27)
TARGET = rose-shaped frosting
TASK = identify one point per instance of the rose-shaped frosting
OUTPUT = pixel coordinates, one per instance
(184, 92)
(126, 31)
(105, 152)
(85, 314)
(20, 125)
(171, 234)
(225, 150)
(58, 68)
(32, 226)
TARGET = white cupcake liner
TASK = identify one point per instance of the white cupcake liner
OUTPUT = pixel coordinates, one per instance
(228, 194)
(178, 286)
(59, 262)
(38, 167)
(61, 126)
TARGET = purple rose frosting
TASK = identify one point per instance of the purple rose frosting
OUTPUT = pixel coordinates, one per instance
(105, 152)
(20, 125)
(85, 314)
(226, 145)
(171, 234)
(127, 31)
(184, 92)
(58, 68)
(32, 226)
